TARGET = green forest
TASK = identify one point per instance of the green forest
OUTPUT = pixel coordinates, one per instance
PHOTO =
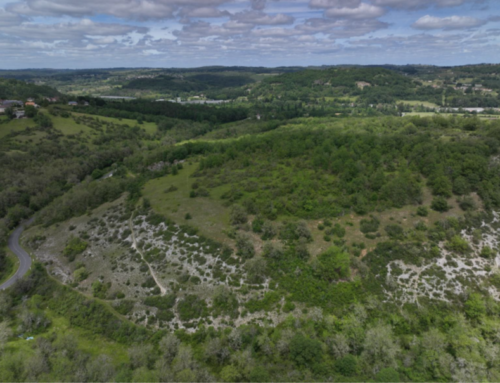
(315, 228)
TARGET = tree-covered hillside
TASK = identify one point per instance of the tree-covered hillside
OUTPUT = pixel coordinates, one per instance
(14, 89)
(196, 82)
(314, 228)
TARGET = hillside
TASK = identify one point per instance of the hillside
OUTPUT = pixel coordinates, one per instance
(15, 89)
(197, 82)
(295, 234)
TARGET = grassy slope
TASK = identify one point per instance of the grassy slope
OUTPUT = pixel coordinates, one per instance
(212, 218)
(66, 126)
(208, 213)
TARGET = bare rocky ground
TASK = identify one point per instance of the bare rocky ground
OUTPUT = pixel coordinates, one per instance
(152, 270)
(135, 259)
(451, 273)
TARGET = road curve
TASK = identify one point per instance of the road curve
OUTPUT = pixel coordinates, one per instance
(24, 258)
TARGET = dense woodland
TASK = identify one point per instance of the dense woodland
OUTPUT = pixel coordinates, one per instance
(301, 163)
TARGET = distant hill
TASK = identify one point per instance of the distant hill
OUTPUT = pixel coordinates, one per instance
(15, 89)
(197, 82)
(371, 84)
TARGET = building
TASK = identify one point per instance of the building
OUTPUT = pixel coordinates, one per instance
(31, 103)
(72, 103)
(11, 103)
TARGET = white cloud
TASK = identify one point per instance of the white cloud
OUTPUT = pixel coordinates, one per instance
(8, 19)
(258, 5)
(261, 18)
(334, 3)
(126, 9)
(448, 23)
(363, 11)
(203, 12)
(420, 4)
(69, 31)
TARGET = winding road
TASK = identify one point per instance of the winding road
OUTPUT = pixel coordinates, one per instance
(24, 258)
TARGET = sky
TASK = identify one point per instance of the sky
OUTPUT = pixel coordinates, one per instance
(193, 33)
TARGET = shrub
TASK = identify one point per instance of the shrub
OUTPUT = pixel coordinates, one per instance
(333, 264)
(302, 231)
(74, 247)
(338, 230)
(422, 211)
(100, 289)
(369, 226)
(272, 251)
(288, 306)
(467, 203)
(301, 251)
(475, 307)
(257, 224)
(191, 307)
(440, 204)
(486, 252)
(238, 215)
(245, 246)
(164, 303)
(268, 230)
(80, 274)
(395, 232)
(458, 244)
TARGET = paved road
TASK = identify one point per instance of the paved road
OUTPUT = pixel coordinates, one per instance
(24, 258)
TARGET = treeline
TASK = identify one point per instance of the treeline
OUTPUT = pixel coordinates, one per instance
(139, 109)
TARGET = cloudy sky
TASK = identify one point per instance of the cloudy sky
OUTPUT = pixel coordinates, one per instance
(189, 33)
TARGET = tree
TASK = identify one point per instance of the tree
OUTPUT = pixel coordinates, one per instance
(268, 230)
(259, 374)
(238, 215)
(10, 113)
(43, 120)
(441, 186)
(389, 375)
(339, 345)
(30, 111)
(256, 269)
(230, 374)
(333, 264)
(245, 246)
(379, 348)
(305, 351)
(347, 365)
(302, 231)
(272, 251)
(5, 334)
(440, 204)
(169, 345)
(140, 355)
(475, 307)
